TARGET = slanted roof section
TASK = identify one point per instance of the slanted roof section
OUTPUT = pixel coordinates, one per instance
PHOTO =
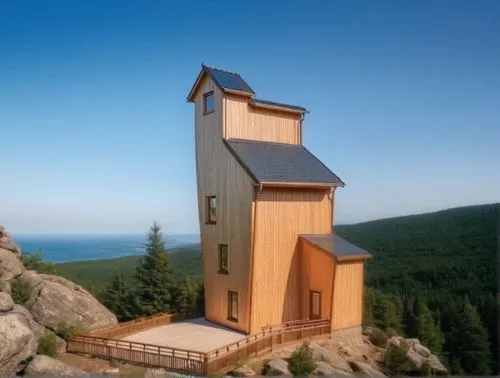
(226, 81)
(281, 164)
(340, 248)
(277, 105)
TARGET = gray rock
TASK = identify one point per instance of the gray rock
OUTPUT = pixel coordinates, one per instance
(5, 287)
(45, 365)
(6, 302)
(28, 319)
(17, 343)
(11, 246)
(330, 357)
(55, 300)
(10, 265)
(322, 368)
(243, 371)
(276, 368)
(366, 369)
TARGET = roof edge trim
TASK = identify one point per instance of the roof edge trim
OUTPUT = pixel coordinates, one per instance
(276, 106)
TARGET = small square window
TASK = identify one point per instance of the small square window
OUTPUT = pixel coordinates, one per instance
(232, 306)
(211, 209)
(223, 259)
(208, 102)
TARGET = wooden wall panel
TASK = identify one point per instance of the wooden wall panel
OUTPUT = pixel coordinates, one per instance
(348, 295)
(317, 270)
(244, 121)
(218, 173)
(281, 215)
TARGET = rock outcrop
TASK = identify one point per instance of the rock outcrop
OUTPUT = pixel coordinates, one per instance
(6, 302)
(277, 368)
(52, 300)
(55, 300)
(10, 265)
(44, 365)
(7, 243)
(17, 342)
(417, 355)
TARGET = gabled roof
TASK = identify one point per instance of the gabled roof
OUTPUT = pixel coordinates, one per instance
(226, 81)
(340, 248)
(279, 163)
(277, 105)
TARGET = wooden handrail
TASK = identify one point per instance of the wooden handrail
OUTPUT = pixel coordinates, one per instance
(296, 325)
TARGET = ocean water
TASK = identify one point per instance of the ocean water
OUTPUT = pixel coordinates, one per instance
(65, 248)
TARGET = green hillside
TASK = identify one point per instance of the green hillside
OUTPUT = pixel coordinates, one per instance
(96, 274)
(451, 251)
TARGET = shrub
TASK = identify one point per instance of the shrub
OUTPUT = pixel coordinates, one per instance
(301, 361)
(66, 331)
(36, 262)
(378, 338)
(47, 345)
(396, 361)
(20, 291)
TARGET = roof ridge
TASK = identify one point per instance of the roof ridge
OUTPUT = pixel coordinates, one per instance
(219, 69)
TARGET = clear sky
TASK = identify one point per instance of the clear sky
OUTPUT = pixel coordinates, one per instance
(96, 134)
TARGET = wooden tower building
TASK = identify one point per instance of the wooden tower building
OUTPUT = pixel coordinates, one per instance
(266, 214)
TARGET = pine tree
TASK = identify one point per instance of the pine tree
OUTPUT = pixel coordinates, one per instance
(385, 312)
(154, 276)
(116, 297)
(184, 295)
(471, 342)
(428, 330)
(368, 302)
(410, 320)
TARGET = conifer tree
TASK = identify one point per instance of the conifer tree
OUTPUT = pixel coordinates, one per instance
(428, 330)
(116, 297)
(154, 276)
(471, 342)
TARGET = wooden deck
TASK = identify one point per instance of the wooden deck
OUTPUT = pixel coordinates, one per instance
(196, 334)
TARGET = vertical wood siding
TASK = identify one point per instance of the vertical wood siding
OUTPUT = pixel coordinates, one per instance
(283, 214)
(218, 173)
(348, 285)
(244, 121)
(317, 270)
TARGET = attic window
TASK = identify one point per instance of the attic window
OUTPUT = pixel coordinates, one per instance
(208, 102)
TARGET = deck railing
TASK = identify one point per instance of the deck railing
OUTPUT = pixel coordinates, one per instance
(175, 359)
(124, 329)
(105, 342)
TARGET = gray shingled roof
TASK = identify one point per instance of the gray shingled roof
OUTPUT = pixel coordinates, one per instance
(340, 248)
(228, 80)
(270, 162)
(278, 104)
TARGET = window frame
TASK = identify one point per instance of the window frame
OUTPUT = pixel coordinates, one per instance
(205, 96)
(230, 314)
(208, 218)
(223, 270)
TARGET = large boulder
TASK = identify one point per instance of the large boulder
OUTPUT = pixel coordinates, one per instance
(10, 265)
(277, 368)
(5, 287)
(17, 343)
(24, 314)
(323, 368)
(320, 353)
(6, 302)
(243, 371)
(55, 300)
(9, 245)
(417, 355)
(365, 368)
(44, 365)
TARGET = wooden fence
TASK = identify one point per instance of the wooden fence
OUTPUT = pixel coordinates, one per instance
(124, 329)
(104, 342)
(265, 341)
(175, 359)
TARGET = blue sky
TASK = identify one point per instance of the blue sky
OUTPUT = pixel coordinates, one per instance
(96, 135)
